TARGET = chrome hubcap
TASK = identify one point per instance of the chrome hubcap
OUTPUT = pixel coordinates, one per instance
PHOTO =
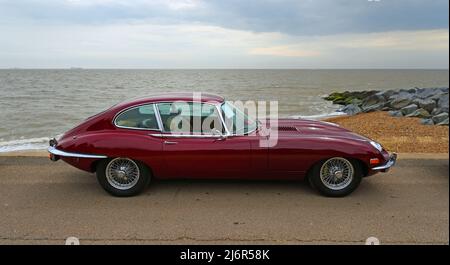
(122, 173)
(336, 173)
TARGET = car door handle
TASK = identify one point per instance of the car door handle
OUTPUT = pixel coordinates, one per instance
(170, 142)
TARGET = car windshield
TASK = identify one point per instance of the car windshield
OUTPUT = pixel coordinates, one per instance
(236, 120)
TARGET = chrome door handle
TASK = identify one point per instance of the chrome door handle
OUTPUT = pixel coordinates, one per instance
(169, 142)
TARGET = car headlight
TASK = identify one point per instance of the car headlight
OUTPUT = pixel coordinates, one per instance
(376, 145)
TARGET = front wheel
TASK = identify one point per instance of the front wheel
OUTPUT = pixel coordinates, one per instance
(336, 177)
(122, 177)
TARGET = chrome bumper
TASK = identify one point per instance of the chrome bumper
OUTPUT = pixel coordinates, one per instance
(55, 153)
(52, 150)
(389, 164)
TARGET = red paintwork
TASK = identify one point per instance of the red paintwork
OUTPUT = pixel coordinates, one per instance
(234, 157)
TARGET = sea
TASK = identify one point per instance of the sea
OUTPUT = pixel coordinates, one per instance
(36, 105)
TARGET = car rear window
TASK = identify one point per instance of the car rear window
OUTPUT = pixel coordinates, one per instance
(141, 117)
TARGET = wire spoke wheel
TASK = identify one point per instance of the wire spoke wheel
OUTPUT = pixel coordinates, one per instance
(122, 173)
(337, 173)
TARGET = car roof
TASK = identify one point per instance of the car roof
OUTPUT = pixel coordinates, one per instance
(171, 97)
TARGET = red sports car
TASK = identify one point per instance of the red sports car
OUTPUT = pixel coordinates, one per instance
(135, 141)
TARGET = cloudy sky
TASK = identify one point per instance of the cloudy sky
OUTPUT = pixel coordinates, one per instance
(224, 34)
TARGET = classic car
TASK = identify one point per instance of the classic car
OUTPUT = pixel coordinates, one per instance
(135, 141)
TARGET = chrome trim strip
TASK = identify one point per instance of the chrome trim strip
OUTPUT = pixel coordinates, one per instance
(139, 129)
(169, 135)
(390, 163)
(156, 134)
(53, 150)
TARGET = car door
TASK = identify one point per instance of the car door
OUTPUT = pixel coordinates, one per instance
(201, 152)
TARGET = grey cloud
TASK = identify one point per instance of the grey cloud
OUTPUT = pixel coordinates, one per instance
(319, 17)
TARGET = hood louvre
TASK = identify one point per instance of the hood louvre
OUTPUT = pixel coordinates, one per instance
(287, 128)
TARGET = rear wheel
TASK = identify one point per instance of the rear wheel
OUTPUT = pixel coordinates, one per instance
(336, 177)
(122, 176)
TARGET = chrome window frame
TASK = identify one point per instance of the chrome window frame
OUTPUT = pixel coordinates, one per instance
(164, 133)
(155, 109)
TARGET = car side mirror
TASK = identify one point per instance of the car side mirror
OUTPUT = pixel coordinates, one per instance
(217, 132)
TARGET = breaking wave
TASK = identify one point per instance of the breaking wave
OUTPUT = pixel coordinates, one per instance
(40, 143)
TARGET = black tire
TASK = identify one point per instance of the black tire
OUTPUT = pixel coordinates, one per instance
(316, 182)
(141, 184)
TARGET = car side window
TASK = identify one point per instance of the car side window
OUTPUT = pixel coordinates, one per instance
(190, 118)
(141, 117)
